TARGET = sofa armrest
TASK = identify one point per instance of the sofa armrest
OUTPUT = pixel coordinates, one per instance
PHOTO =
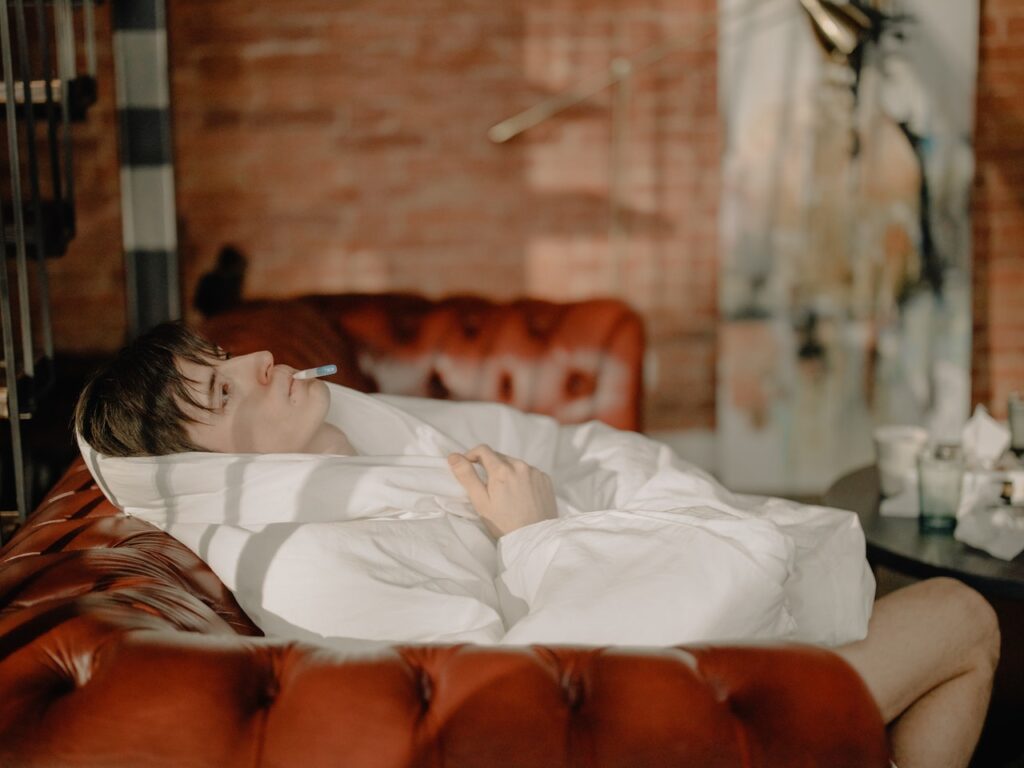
(98, 693)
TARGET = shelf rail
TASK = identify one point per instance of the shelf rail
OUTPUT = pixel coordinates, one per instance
(28, 223)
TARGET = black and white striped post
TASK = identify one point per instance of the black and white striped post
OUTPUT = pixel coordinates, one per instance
(147, 164)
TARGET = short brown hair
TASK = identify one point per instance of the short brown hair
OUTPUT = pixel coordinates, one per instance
(132, 405)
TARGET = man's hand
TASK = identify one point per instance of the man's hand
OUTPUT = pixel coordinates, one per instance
(514, 495)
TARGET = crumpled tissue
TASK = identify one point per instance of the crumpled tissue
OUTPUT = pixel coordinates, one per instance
(984, 520)
(997, 530)
(983, 439)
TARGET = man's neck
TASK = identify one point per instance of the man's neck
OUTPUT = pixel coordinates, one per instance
(330, 439)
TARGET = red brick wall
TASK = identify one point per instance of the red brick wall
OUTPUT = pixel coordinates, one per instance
(343, 147)
(998, 361)
(87, 284)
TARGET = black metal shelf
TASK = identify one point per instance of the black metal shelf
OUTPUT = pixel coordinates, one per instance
(32, 390)
(58, 228)
(82, 94)
(44, 93)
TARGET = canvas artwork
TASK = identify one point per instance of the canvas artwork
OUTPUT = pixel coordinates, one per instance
(845, 277)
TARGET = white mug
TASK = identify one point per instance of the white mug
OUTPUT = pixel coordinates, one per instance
(896, 448)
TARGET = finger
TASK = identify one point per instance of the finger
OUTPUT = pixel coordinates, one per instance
(491, 459)
(468, 478)
(519, 465)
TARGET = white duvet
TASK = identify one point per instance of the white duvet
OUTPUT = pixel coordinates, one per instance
(384, 546)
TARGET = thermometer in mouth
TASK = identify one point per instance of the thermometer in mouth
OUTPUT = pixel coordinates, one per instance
(315, 373)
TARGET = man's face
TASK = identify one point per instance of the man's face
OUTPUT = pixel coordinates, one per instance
(255, 406)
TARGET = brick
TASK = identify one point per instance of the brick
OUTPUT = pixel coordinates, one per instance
(353, 137)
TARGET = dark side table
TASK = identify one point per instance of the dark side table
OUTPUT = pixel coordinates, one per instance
(895, 543)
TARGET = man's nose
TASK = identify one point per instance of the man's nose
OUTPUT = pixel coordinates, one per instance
(256, 366)
(264, 362)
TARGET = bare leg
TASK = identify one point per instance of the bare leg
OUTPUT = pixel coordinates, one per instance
(929, 659)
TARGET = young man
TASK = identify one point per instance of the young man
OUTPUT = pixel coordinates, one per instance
(931, 648)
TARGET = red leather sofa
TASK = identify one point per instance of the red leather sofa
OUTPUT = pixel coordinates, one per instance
(573, 361)
(119, 647)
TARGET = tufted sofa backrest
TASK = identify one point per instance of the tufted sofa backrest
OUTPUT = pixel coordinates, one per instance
(573, 361)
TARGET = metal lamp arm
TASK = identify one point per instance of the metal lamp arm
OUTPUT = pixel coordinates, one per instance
(619, 69)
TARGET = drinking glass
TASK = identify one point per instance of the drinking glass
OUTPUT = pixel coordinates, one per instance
(940, 474)
(1015, 413)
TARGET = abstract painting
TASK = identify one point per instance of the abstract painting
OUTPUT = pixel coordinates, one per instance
(844, 286)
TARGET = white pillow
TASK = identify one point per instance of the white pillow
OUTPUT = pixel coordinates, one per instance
(326, 547)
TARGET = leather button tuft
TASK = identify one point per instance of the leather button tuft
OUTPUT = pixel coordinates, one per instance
(269, 693)
(505, 388)
(405, 328)
(540, 325)
(426, 689)
(436, 388)
(580, 384)
(572, 690)
(470, 326)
